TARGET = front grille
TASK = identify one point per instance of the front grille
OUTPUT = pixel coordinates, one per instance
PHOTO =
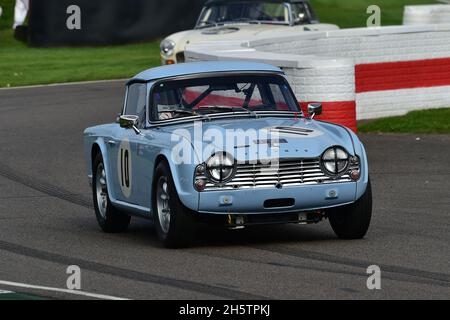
(285, 173)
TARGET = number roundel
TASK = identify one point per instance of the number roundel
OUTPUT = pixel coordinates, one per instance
(124, 167)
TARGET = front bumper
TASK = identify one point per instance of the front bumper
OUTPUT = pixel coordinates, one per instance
(286, 200)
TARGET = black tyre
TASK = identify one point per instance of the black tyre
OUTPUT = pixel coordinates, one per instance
(352, 222)
(173, 221)
(110, 219)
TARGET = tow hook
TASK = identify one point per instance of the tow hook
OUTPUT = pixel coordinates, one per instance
(235, 222)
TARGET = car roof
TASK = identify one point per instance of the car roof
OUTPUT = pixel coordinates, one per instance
(225, 1)
(184, 69)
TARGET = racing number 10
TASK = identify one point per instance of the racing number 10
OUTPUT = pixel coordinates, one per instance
(125, 167)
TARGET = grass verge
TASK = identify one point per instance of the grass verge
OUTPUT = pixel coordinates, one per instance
(436, 121)
(21, 65)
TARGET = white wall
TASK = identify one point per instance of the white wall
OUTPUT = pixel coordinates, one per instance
(426, 14)
(367, 45)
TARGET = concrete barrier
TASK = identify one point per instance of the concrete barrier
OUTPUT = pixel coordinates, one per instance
(426, 14)
(380, 72)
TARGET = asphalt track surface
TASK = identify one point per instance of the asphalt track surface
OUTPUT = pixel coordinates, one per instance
(47, 221)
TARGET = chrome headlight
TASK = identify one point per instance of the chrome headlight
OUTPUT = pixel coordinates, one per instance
(220, 167)
(167, 48)
(335, 161)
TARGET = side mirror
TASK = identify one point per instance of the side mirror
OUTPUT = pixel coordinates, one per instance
(129, 122)
(314, 109)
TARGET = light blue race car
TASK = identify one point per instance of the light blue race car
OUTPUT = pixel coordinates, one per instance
(224, 143)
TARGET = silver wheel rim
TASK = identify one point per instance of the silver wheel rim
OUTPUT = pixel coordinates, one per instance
(162, 204)
(101, 190)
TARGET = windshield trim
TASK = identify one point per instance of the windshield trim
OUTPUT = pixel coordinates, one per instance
(288, 5)
(279, 113)
(222, 116)
(255, 22)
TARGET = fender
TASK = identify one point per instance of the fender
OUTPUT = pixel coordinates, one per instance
(183, 176)
(361, 152)
(102, 145)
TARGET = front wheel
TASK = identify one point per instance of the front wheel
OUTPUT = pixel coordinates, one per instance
(173, 221)
(109, 218)
(352, 222)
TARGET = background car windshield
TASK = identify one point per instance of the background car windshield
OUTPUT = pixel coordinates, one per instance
(213, 95)
(258, 11)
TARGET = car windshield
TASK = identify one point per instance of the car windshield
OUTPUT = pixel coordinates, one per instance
(245, 11)
(215, 95)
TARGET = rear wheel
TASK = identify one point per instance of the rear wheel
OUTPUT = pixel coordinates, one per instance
(353, 221)
(173, 221)
(109, 218)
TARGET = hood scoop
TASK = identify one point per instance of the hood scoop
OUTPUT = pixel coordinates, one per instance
(292, 130)
(222, 30)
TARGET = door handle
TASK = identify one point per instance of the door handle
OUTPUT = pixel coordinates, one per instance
(112, 142)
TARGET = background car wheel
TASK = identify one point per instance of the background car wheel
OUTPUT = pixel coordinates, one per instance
(353, 221)
(173, 221)
(109, 218)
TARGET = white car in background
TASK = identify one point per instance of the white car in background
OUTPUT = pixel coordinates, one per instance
(243, 19)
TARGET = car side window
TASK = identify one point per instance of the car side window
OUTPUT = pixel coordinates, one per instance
(136, 101)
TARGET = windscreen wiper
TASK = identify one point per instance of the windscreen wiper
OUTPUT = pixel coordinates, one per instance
(207, 25)
(247, 20)
(232, 109)
(191, 113)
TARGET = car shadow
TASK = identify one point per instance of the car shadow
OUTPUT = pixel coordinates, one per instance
(143, 233)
